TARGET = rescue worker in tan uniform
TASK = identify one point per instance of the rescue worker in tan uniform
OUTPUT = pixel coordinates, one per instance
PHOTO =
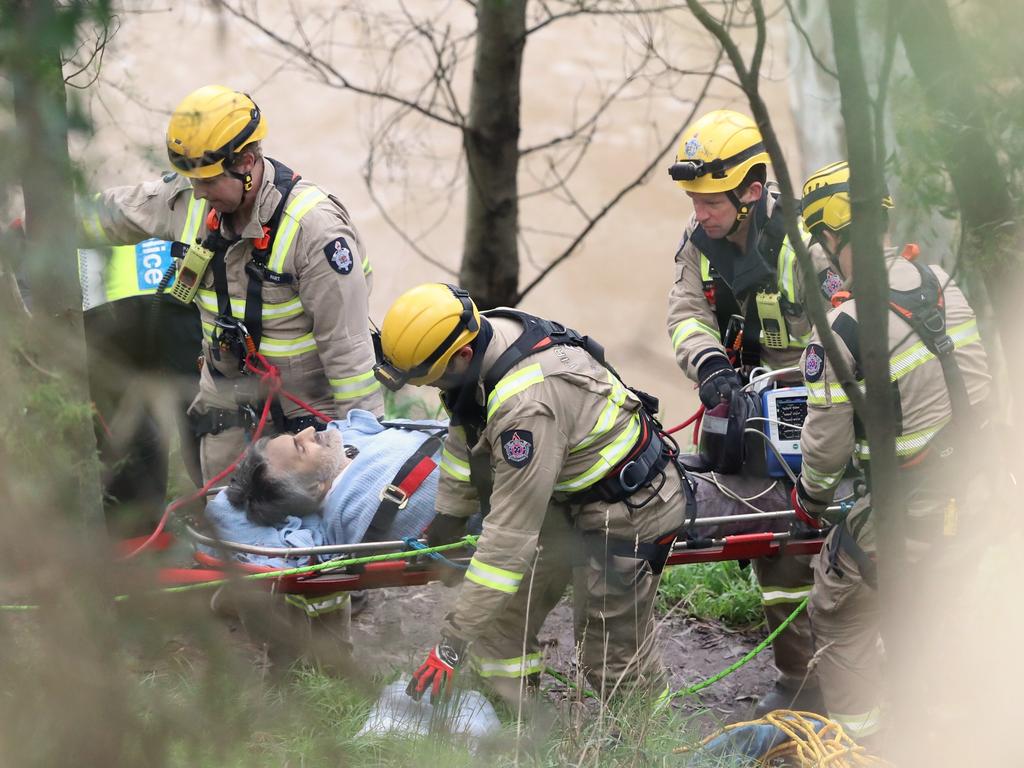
(288, 272)
(576, 484)
(934, 394)
(734, 260)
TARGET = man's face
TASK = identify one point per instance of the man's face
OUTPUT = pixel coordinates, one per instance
(223, 192)
(714, 211)
(313, 456)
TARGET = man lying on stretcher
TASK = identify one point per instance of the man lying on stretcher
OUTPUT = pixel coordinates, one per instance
(342, 486)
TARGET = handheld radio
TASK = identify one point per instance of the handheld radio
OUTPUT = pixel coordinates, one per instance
(773, 325)
(193, 266)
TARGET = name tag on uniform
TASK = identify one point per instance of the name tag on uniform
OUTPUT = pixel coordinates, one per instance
(152, 259)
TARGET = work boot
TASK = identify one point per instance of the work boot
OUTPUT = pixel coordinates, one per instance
(780, 697)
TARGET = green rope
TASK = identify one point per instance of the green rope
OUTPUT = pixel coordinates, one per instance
(753, 652)
(330, 564)
(714, 678)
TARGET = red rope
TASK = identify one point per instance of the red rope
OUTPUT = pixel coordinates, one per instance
(696, 417)
(270, 376)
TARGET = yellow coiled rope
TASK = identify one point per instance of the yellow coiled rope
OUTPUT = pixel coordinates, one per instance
(809, 743)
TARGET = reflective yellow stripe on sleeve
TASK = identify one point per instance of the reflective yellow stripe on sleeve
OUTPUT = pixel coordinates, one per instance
(513, 384)
(454, 467)
(820, 393)
(906, 445)
(608, 415)
(610, 456)
(821, 479)
(492, 577)
(690, 326)
(91, 224)
(352, 387)
(303, 203)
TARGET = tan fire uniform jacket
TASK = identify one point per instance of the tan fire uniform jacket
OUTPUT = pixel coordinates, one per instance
(828, 439)
(557, 423)
(315, 327)
(693, 327)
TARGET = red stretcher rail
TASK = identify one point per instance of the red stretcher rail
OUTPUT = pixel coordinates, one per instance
(419, 570)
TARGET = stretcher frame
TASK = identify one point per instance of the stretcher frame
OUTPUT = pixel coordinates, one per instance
(419, 569)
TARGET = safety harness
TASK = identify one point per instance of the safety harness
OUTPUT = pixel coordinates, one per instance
(736, 276)
(924, 310)
(240, 338)
(641, 467)
(410, 476)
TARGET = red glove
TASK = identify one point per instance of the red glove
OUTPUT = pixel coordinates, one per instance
(802, 514)
(438, 670)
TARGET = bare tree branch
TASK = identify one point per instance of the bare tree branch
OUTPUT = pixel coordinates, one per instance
(594, 10)
(808, 42)
(625, 190)
(330, 75)
(748, 80)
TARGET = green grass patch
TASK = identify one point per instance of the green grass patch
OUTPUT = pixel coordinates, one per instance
(720, 591)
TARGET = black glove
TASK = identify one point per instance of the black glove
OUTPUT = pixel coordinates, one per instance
(717, 381)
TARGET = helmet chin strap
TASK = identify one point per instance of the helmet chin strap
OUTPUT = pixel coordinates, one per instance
(833, 256)
(742, 210)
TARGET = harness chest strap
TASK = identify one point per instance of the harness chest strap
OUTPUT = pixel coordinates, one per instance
(540, 334)
(395, 496)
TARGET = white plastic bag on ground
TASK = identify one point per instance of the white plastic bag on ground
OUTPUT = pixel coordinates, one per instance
(466, 714)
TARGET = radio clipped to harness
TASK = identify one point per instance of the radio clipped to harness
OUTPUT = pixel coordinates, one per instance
(190, 274)
(773, 325)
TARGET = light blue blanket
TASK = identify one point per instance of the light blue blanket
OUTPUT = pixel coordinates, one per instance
(349, 508)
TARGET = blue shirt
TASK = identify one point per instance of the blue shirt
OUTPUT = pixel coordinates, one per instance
(351, 503)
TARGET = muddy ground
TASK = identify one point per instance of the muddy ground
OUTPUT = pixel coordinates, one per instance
(399, 626)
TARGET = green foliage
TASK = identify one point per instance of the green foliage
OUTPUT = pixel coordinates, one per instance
(717, 591)
(413, 403)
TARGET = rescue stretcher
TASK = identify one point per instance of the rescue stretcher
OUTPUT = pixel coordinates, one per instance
(419, 569)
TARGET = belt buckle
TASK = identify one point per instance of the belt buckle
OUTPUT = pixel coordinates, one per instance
(248, 417)
(395, 495)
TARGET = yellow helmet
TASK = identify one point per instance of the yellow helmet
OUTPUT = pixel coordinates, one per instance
(826, 199)
(717, 151)
(420, 333)
(209, 127)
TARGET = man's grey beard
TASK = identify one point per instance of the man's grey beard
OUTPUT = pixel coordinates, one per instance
(334, 459)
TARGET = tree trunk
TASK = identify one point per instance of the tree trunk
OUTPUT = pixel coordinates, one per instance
(991, 238)
(490, 259)
(871, 288)
(55, 336)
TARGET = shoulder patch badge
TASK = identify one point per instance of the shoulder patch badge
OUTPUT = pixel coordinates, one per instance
(814, 362)
(170, 176)
(339, 255)
(517, 447)
(830, 282)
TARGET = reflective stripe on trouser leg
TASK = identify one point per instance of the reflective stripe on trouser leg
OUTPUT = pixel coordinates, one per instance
(513, 634)
(614, 601)
(319, 606)
(845, 616)
(518, 666)
(785, 581)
